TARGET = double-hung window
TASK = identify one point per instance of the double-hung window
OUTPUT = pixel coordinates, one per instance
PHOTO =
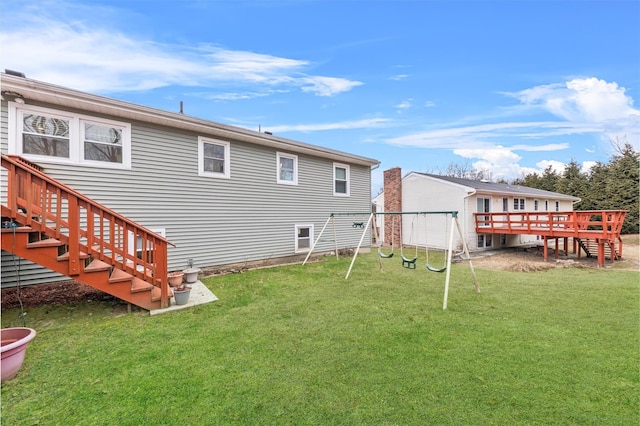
(340, 179)
(287, 168)
(518, 203)
(48, 135)
(213, 158)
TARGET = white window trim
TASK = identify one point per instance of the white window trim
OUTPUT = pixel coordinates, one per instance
(311, 237)
(348, 180)
(536, 205)
(133, 246)
(227, 158)
(76, 134)
(516, 207)
(293, 157)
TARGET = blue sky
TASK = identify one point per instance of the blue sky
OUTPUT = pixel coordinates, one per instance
(509, 87)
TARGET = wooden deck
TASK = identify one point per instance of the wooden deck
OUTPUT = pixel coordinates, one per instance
(601, 226)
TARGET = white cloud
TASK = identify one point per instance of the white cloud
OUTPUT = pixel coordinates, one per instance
(354, 124)
(556, 166)
(429, 104)
(327, 86)
(587, 165)
(84, 55)
(588, 106)
(398, 77)
(406, 104)
(589, 100)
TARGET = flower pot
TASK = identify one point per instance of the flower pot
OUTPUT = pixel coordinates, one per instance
(191, 275)
(175, 278)
(14, 346)
(181, 297)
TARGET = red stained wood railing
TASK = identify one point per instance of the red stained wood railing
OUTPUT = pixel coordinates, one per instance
(580, 224)
(603, 226)
(54, 209)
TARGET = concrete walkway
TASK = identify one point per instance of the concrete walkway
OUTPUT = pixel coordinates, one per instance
(200, 294)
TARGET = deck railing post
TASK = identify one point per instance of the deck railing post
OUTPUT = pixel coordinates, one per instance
(74, 236)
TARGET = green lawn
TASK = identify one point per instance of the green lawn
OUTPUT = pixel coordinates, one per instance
(299, 345)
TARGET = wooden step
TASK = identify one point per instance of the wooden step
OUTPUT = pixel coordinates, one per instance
(65, 256)
(155, 294)
(19, 229)
(50, 242)
(97, 265)
(119, 276)
(138, 285)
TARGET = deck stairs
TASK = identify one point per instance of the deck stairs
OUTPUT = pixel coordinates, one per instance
(590, 247)
(54, 226)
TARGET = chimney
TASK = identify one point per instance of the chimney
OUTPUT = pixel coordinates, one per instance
(392, 203)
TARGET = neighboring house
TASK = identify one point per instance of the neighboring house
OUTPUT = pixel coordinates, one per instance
(222, 194)
(419, 192)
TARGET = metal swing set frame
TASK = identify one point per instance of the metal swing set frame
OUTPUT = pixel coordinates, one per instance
(455, 225)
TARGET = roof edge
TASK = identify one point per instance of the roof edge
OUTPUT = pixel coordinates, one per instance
(58, 95)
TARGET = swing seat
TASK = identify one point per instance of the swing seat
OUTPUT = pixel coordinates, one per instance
(409, 263)
(434, 269)
(383, 255)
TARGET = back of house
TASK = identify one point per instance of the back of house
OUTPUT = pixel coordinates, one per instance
(223, 195)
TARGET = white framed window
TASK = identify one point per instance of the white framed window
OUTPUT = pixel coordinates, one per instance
(214, 158)
(546, 205)
(48, 135)
(341, 179)
(287, 168)
(505, 204)
(304, 237)
(485, 240)
(536, 205)
(518, 204)
(557, 206)
(136, 246)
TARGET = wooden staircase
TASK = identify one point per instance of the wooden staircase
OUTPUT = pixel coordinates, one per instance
(590, 247)
(56, 227)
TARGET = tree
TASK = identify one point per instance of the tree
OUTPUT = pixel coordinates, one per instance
(573, 181)
(549, 180)
(624, 186)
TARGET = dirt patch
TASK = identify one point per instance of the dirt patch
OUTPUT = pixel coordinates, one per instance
(532, 259)
(58, 293)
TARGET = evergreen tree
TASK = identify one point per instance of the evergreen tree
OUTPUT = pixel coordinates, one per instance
(624, 186)
(573, 182)
(549, 180)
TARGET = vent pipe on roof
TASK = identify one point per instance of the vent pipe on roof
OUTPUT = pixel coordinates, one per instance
(181, 110)
(14, 73)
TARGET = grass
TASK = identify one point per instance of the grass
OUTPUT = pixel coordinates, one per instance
(299, 345)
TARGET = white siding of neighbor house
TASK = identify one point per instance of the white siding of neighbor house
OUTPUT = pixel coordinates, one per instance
(425, 193)
(420, 194)
(213, 221)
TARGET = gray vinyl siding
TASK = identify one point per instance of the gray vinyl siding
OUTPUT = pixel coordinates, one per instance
(211, 220)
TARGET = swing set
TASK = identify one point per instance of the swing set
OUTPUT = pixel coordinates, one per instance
(407, 262)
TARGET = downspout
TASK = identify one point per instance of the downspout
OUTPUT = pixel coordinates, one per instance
(464, 215)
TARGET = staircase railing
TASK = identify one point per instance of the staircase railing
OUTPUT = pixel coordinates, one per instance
(54, 209)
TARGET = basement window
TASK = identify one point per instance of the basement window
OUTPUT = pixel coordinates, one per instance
(304, 238)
